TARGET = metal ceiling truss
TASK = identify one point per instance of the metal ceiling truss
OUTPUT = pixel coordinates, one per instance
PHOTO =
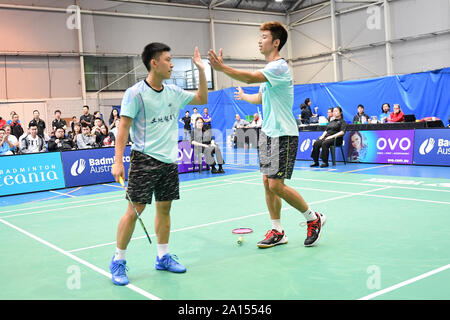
(292, 9)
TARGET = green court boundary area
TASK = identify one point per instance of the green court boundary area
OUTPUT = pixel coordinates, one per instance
(386, 238)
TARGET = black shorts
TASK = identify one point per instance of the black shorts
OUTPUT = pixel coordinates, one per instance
(277, 155)
(148, 175)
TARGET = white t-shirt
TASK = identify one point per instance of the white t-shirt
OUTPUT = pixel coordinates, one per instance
(154, 130)
(194, 117)
(278, 100)
(33, 144)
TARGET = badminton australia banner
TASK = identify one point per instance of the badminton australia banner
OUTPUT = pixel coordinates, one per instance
(306, 140)
(381, 146)
(30, 172)
(91, 166)
(432, 147)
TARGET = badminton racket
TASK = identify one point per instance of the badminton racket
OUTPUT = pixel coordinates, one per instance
(134, 208)
(241, 231)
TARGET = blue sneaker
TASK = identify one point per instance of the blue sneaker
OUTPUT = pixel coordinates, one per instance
(118, 271)
(169, 264)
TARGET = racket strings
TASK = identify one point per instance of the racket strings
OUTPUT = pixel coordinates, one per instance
(242, 231)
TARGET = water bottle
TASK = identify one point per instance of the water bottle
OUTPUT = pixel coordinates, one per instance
(363, 120)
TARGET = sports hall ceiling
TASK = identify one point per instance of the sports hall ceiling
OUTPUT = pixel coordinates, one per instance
(284, 6)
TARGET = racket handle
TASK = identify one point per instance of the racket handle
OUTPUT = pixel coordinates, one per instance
(120, 179)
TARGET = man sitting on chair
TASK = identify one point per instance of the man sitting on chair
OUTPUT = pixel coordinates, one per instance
(335, 129)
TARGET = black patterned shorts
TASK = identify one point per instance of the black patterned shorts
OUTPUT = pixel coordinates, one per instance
(277, 155)
(148, 175)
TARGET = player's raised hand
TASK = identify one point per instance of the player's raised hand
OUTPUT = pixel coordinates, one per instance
(238, 95)
(216, 61)
(197, 59)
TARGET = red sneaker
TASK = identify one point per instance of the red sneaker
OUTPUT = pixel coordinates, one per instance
(273, 238)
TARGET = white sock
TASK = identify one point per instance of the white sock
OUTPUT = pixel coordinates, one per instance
(309, 215)
(120, 254)
(162, 249)
(276, 224)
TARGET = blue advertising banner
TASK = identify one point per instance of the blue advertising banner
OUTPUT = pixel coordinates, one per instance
(432, 147)
(381, 146)
(186, 157)
(30, 172)
(306, 140)
(91, 166)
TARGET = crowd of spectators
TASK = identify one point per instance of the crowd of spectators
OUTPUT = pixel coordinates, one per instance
(91, 131)
(189, 121)
(306, 115)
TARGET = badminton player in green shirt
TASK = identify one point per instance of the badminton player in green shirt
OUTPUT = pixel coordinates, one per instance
(278, 141)
(150, 112)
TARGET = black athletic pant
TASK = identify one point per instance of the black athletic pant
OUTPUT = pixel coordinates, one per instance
(325, 145)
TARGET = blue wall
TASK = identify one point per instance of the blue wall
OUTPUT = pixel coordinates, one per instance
(424, 94)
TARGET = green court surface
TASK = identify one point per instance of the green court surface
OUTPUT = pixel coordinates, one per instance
(386, 237)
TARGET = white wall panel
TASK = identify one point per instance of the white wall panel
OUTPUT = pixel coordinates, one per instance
(363, 63)
(28, 77)
(23, 30)
(3, 93)
(421, 55)
(312, 38)
(130, 36)
(313, 70)
(64, 77)
(413, 17)
(353, 28)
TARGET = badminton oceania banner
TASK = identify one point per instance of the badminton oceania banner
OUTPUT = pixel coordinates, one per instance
(381, 146)
(91, 166)
(30, 173)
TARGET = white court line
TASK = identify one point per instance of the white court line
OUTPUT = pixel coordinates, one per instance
(405, 283)
(369, 184)
(242, 153)
(112, 185)
(215, 181)
(93, 203)
(316, 169)
(79, 260)
(408, 199)
(63, 194)
(58, 204)
(242, 169)
(243, 175)
(176, 230)
(195, 182)
(367, 195)
(232, 219)
(387, 165)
